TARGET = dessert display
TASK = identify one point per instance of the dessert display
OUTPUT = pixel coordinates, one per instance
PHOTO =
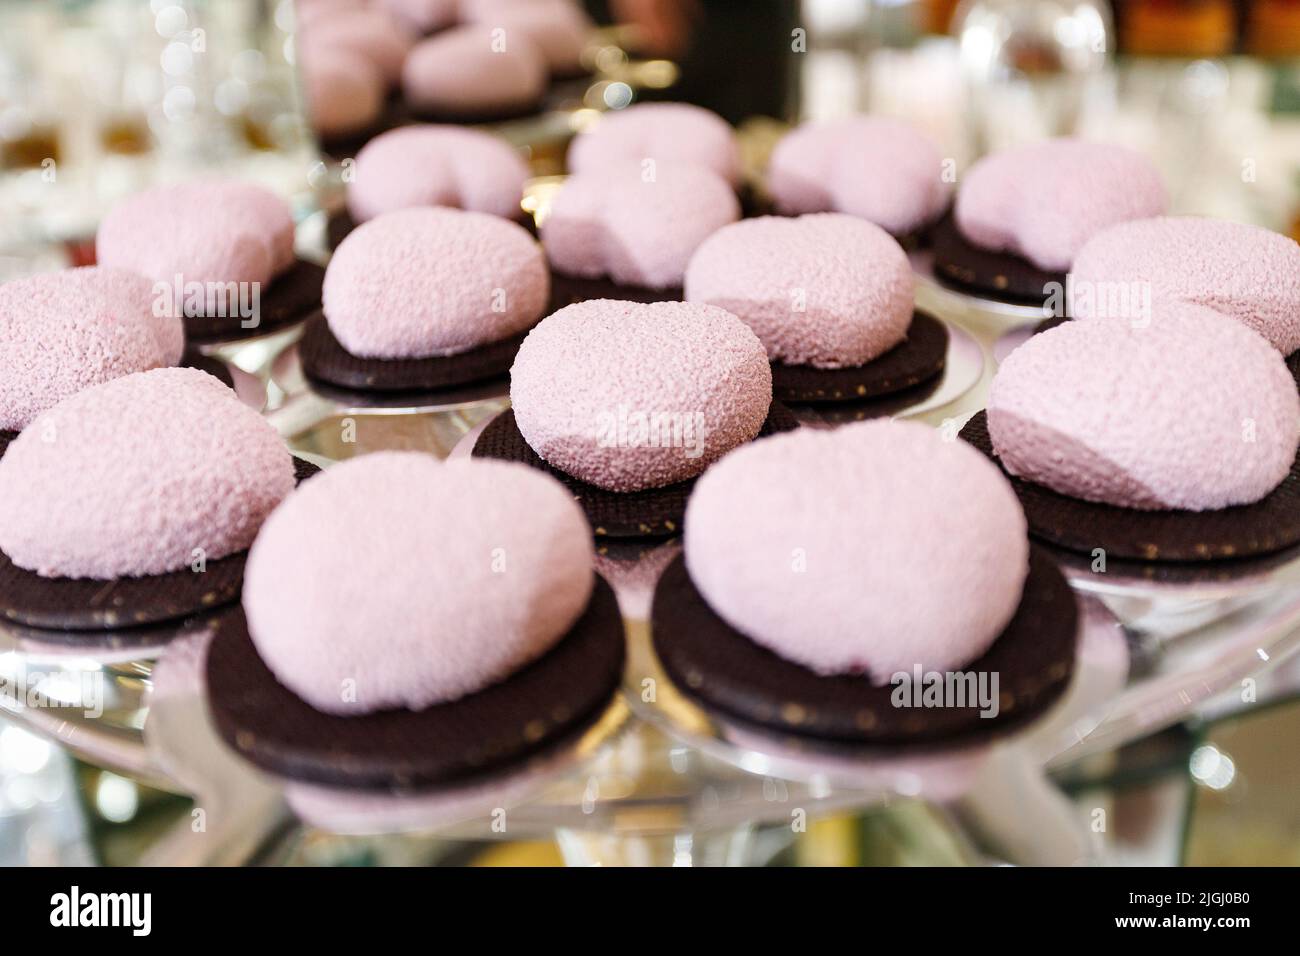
(880, 169)
(316, 679)
(558, 28)
(1022, 215)
(802, 622)
(830, 297)
(222, 251)
(466, 74)
(424, 299)
(658, 133)
(626, 403)
(344, 93)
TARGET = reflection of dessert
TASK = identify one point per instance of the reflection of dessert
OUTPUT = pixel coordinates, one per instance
(1177, 27)
(467, 73)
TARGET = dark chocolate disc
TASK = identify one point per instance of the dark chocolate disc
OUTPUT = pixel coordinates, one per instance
(340, 224)
(1002, 276)
(72, 605)
(567, 290)
(653, 513)
(291, 296)
(207, 363)
(275, 729)
(1244, 531)
(726, 671)
(919, 358)
(1293, 364)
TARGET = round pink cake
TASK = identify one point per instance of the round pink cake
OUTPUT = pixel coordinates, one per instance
(558, 28)
(468, 71)
(422, 16)
(437, 166)
(881, 169)
(866, 550)
(64, 331)
(396, 581)
(826, 290)
(153, 472)
(431, 281)
(639, 228)
(663, 132)
(627, 396)
(1044, 201)
(1249, 273)
(344, 92)
(1193, 411)
(205, 230)
(370, 33)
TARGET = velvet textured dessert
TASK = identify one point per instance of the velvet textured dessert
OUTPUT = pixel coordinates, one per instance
(627, 396)
(437, 166)
(1192, 412)
(877, 168)
(422, 16)
(661, 132)
(141, 475)
(1044, 201)
(826, 290)
(64, 331)
(344, 91)
(368, 589)
(867, 550)
(428, 282)
(370, 33)
(463, 72)
(615, 222)
(1244, 271)
(558, 28)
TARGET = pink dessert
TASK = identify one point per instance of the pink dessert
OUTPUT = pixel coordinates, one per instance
(1249, 273)
(64, 331)
(662, 132)
(206, 231)
(880, 169)
(558, 28)
(627, 396)
(396, 581)
(145, 474)
(466, 71)
(424, 282)
(344, 92)
(826, 290)
(867, 550)
(617, 222)
(1044, 201)
(437, 166)
(370, 33)
(1193, 411)
(422, 16)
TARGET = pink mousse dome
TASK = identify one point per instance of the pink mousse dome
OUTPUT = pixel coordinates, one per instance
(627, 396)
(422, 16)
(396, 581)
(64, 331)
(865, 550)
(344, 92)
(663, 132)
(205, 230)
(1193, 411)
(370, 33)
(437, 166)
(883, 170)
(558, 28)
(638, 231)
(1249, 273)
(460, 72)
(826, 290)
(1045, 201)
(139, 476)
(433, 281)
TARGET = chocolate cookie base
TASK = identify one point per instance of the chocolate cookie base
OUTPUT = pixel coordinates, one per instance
(726, 671)
(653, 513)
(568, 290)
(565, 689)
(1001, 276)
(291, 297)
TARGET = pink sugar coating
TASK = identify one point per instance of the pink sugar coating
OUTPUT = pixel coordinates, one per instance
(433, 281)
(558, 28)
(663, 132)
(627, 396)
(1249, 273)
(614, 221)
(64, 331)
(1193, 411)
(826, 290)
(205, 230)
(881, 169)
(437, 166)
(396, 581)
(422, 16)
(1045, 201)
(139, 475)
(458, 72)
(865, 550)
(371, 33)
(344, 91)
